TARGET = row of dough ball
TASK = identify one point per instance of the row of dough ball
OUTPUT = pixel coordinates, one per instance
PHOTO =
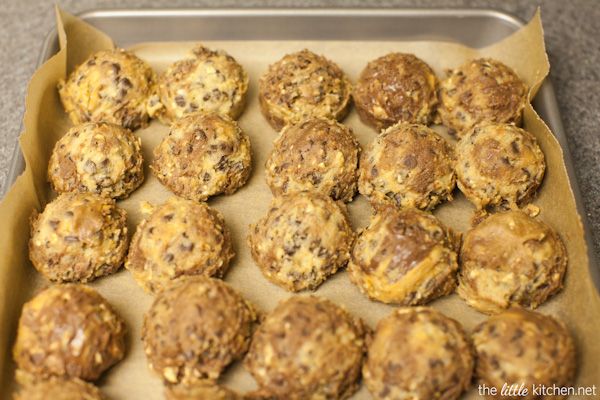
(406, 257)
(408, 165)
(307, 347)
(116, 86)
(204, 154)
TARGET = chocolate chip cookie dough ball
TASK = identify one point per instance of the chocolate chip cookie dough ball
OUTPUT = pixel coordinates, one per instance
(396, 88)
(302, 84)
(480, 92)
(179, 238)
(510, 258)
(407, 165)
(407, 257)
(203, 155)
(195, 328)
(418, 353)
(78, 237)
(111, 86)
(100, 158)
(68, 330)
(307, 348)
(206, 80)
(315, 154)
(499, 165)
(520, 347)
(304, 238)
(57, 388)
(203, 391)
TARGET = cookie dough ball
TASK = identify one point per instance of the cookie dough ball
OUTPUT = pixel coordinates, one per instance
(307, 348)
(521, 347)
(208, 392)
(418, 353)
(206, 80)
(68, 330)
(100, 158)
(499, 165)
(78, 237)
(480, 92)
(407, 257)
(195, 328)
(203, 155)
(407, 165)
(111, 86)
(510, 258)
(315, 154)
(304, 238)
(302, 84)
(57, 388)
(179, 238)
(396, 88)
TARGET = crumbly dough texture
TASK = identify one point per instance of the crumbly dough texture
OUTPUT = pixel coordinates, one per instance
(200, 392)
(179, 238)
(406, 257)
(307, 348)
(510, 258)
(499, 165)
(304, 238)
(302, 84)
(78, 237)
(111, 86)
(315, 154)
(480, 92)
(100, 158)
(57, 388)
(522, 347)
(418, 353)
(407, 165)
(195, 328)
(206, 80)
(396, 88)
(203, 155)
(67, 330)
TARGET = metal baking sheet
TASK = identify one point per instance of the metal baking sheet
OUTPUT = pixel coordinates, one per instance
(131, 27)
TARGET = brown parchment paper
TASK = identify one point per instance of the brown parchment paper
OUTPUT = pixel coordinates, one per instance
(578, 304)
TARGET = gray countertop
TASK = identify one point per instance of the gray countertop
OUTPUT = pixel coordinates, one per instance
(571, 34)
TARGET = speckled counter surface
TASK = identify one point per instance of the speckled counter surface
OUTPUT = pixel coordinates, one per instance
(571, 33)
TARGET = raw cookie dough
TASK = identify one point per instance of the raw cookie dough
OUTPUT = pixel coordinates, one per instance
(408, 165)
(522, 347)
(195, 328)
(200, 392)
(180, 237)
(480, 92)
(315, 154)
(418, 353)
(206, 80)
(67, 330)
(406, 257)
(302, 84)
(304, 238)
(499, 165)
(510, 258)
(307, 348)
(78, 237)
(99, 158)
(203, 155)
(57, 388)
(396, 88)
(111, 86)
